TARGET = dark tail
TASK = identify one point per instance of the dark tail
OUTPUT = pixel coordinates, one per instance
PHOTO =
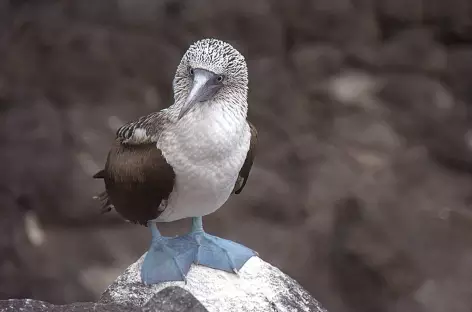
(107, 206)
(100, 174)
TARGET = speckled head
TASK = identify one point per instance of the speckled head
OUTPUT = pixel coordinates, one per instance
(211, 71)
(219, 57)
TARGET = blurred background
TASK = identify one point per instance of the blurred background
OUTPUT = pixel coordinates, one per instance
(362, 186)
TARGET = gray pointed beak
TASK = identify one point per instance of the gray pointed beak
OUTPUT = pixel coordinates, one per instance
(204, 87)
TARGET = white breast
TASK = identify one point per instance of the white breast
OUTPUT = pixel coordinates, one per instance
(206, 155)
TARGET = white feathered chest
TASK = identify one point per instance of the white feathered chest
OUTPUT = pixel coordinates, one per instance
(206, 151)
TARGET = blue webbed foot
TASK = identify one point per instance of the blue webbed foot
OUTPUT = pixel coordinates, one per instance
(216, 252)
(163, 262)
(169, 259)
(219, 253)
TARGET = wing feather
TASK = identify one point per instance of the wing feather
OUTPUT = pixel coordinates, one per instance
(137, 177)
(246, 168)
(145, 129)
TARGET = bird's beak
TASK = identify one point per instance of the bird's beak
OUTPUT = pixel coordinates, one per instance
(204, 87)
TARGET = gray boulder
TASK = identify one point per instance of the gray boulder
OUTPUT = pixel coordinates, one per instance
(170, 299)
(28, 305)
(259, 286)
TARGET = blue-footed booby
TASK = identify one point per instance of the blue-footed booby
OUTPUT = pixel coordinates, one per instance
(185, 161)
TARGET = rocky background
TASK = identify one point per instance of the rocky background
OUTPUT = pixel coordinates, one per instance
(362, 187)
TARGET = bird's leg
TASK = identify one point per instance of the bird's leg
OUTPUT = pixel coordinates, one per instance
(163, 262)
(197, 224)
(216, 252)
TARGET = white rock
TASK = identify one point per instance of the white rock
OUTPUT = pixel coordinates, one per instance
(258, 287)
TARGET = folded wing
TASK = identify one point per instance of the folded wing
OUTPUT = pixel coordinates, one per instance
(138, 179)
(246, 168)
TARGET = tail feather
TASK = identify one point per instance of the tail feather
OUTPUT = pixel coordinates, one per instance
(100, 174)
(107, 206)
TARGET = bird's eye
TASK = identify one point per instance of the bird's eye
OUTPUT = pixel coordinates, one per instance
(220, 78)
(191, 72)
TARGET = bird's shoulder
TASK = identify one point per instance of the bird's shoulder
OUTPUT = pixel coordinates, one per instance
(146, 129)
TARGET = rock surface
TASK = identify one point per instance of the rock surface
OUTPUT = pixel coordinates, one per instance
(27, 305)
(170, 299)
(259, 287)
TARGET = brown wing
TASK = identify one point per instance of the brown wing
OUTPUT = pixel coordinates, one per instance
(137, 179)
(246, 168)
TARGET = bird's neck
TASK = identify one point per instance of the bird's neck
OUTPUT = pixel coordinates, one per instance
(233, 111)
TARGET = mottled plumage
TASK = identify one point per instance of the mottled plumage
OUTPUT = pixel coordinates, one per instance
(186, 160)
(144, 130)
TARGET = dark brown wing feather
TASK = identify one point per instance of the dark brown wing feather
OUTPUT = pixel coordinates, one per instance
(246, 168)
(137, 179)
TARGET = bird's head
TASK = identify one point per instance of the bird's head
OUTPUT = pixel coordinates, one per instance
(213, 72)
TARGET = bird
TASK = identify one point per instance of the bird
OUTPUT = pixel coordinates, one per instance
(185, 161)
